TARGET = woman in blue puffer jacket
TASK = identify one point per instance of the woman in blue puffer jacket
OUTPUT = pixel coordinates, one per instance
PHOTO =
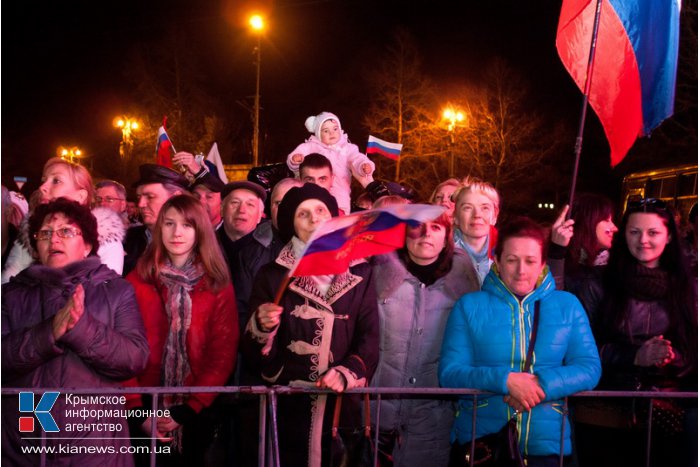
(486, 341)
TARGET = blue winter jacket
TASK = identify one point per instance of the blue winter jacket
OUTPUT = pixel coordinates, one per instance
(486, 338)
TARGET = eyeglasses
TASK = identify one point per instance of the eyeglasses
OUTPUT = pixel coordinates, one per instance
(107, 199)
(646, 203)
(65, 232)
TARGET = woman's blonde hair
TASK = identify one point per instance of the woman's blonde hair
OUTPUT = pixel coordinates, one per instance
(79, 174)
(476, 185)
(206, 247)
(449, 182)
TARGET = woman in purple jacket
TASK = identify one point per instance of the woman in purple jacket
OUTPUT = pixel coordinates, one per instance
(69, 321)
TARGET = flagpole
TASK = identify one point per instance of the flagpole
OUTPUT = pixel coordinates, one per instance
(584, 105)
(282, 288)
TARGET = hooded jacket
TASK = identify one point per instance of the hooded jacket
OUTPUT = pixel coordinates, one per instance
(107, 345)
(346, 160)
(412, 319)
(486, 339)
(110, 233)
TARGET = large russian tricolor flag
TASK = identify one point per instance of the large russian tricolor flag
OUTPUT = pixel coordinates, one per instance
(340, 240)
(386, 149)
(163, 149)
(634, 73)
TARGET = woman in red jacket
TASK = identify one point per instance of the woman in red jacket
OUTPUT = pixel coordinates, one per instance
(188, 306)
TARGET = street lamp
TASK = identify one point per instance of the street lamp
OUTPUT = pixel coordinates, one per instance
(453, 117)
(257, 24)
(128, 127)
(70, 154)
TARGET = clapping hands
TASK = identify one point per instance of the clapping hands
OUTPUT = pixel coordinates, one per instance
(68, 316)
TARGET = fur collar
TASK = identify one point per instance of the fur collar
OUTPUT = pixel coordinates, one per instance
(306, 286)
(390, 273)
(110, 228)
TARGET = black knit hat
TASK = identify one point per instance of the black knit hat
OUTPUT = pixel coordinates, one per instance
(291, 201)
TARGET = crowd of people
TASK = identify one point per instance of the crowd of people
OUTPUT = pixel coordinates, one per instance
(192, 289)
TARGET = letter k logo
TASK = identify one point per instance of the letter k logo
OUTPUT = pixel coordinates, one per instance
(42, 411)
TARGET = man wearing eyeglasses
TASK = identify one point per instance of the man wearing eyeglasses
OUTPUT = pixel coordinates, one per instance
(112, 195)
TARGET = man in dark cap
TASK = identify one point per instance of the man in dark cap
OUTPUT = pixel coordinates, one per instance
(242, 208)
(261, 246)
(156, 184)
(208, 191)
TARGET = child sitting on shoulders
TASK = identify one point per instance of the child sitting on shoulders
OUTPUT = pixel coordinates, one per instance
(331, 141)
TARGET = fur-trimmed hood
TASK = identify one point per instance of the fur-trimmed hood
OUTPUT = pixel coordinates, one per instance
(110, 228)
(390, 273)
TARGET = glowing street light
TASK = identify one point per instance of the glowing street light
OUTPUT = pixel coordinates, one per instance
(70, 154)
(453, 117)
(128, 126)
(257, 24)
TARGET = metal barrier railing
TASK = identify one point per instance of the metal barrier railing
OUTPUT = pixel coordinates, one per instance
(268, 403)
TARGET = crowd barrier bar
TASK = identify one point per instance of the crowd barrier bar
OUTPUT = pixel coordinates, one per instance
(268, 403)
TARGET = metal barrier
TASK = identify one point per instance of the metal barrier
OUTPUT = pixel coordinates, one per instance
(268, 403)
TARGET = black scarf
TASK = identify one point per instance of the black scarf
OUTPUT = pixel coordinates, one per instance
(645, 283)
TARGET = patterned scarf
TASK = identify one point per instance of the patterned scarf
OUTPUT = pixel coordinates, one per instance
(175, 366)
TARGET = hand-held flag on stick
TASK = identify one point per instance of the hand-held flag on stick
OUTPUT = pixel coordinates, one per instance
(384, 148)
(164, 147)
(633, 77)
(340, 240)
(215, 159)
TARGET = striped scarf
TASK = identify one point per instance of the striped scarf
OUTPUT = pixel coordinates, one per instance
(175, 366)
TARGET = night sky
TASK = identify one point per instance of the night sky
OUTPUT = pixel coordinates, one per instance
(63, 64)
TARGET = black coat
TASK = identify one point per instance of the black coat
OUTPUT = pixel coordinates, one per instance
(338, 329)
(135, 243)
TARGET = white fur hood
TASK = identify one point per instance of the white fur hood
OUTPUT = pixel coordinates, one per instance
(110, 228)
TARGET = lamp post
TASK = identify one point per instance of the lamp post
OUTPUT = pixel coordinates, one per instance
(128, 126)
(257, 24)
(453, 117)
(70, 154)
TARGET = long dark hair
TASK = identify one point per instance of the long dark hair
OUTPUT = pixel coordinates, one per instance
(681, 298)
(588, 210)
(206, 247)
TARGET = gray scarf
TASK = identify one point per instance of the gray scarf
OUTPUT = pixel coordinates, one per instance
(175, 366)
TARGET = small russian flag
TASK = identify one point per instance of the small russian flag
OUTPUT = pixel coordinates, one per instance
(339, 240)
(386, 149)
(163, 148)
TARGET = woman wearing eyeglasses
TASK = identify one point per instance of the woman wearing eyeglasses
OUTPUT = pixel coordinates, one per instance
(647, 333)
(68, 321)
(66, 179)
